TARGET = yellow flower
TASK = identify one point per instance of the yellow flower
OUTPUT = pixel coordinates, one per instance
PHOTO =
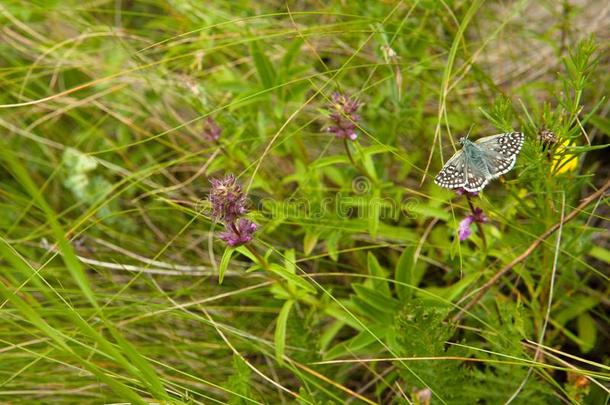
(564, 161)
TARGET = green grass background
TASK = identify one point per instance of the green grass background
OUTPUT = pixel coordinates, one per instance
(109, 267)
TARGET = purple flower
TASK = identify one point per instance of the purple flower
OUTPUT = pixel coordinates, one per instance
(211, 130)
(240, 233)
(227, 198)
(464, 230)
(343, 114)
(229, 206)
(462, 191)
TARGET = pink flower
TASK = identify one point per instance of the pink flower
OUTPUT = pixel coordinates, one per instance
(229, 206)
(343, 114)
(227, 198)
(240, 233)
(464, 230)
(211, 130)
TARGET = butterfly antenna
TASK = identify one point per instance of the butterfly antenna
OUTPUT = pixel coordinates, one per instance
(470, 130)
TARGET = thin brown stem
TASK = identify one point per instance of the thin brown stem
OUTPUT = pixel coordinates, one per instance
(496, 277)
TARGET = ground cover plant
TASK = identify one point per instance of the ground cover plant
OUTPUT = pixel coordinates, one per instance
(235, 202)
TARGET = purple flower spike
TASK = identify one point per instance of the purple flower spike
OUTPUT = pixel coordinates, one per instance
(227, 198)
(464, 231)
(343, 114)
(239, 234)
(229, 206)
(211, 130)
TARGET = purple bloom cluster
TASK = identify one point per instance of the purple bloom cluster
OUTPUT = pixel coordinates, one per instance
(211, 130)
(464, 229)
(229, 206)
(239, 233)
(343, 114)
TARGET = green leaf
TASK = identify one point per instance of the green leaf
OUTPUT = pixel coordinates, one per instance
(451, 292)
(332, 245)
(575, 150)
(351, 346)
(224, 263)
(309, 242)
(329, 160)
(280, 331)
(587, 332)
(369, 166)
(377, 271)
(600, 253)
(428, 211)
(575, 306)
(404, 273)
(239, 383)
(377, 299)
(377, 148)
(291, 278)
(244, 251)
(290, 261)
(330, 333)
(263, 65)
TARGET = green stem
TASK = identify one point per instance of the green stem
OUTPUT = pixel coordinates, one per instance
(349, 154)
(361, 169)
(261, 260)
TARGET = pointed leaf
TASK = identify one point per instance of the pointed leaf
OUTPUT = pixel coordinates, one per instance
(280, 331)
(404, 273)
(224, 263)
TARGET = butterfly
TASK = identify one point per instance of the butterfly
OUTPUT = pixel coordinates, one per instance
(479, 162)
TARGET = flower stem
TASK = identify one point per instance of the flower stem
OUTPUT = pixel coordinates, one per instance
(261, 260)
(479, 226)
(361, 169)
(349, 153)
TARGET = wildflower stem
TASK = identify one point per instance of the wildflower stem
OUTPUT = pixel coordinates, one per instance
(263, 263)
(349, 153)
(361, 169)
(479, 226)
(261, 260)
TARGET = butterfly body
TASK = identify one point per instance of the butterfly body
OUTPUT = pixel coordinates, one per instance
(476, 156)
(480, 162)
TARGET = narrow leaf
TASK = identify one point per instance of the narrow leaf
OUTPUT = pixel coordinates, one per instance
(404, 273)
(224, 263)
(291, 278)
(263, 65)
(280, 331)
(587, 332)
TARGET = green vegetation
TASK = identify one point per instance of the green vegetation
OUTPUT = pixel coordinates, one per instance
(117, 281)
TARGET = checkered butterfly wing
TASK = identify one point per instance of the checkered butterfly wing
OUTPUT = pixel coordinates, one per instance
(500, 151)
(453, 174)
